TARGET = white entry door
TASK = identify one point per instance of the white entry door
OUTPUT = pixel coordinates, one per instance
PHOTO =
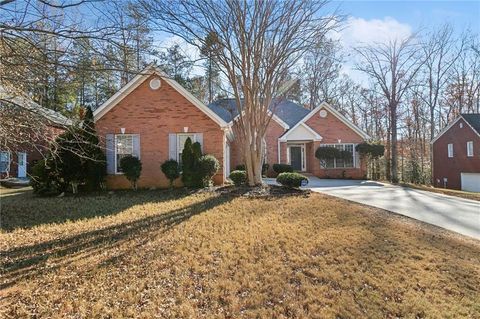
(22, 164)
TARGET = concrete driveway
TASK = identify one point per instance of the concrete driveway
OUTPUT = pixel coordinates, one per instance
(452, 213)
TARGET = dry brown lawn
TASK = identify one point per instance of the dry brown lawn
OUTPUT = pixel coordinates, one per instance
(151, 254)
(445, 191)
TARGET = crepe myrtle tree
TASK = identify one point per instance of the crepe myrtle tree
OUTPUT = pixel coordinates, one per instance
(257, 43)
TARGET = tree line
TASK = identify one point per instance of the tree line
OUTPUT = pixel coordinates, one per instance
(75, 54)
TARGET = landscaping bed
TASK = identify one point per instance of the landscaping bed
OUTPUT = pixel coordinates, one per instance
(220, 254)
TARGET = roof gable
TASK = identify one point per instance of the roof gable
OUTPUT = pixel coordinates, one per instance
(139, 79)
(333, 111)
(472, 120)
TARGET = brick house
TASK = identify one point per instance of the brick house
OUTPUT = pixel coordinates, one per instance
(456, 154)
(152, 116)
(17, 159)
(294, 134)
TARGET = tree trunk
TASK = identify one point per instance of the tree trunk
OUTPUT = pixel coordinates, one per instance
(394, 155)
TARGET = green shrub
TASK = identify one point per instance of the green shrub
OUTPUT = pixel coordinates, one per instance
(265, 168)
(190, 155)
(208, 166)
(238, 177)
(240, 167)
(171, 170)
(44, 180)
(132, 168)
(292, 180)
(94, 162)
(282, 168)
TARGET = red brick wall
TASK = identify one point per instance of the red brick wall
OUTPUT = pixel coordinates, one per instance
(331, 129)
(444, 166)
(274, 131)
(36, 150)
(154, 114)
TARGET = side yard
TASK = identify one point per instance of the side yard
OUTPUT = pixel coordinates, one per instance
(221, 255)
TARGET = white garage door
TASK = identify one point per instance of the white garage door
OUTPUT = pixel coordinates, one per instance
(470, 182)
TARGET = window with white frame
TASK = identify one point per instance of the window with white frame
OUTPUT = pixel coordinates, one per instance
(4, 161)
(450, 150)
(181, 139)
(341, 162)
(470, 148)
(123, 148)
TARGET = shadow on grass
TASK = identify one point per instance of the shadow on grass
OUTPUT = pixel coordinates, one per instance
(23, 209)
(27, 261)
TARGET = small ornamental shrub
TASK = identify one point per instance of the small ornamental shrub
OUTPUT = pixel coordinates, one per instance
(132, 168)
(44, 180)
(291, 180)
(265, 168)
(208, 166)
(238, 178)
(282, 168)
(240, 167)
(171, 170)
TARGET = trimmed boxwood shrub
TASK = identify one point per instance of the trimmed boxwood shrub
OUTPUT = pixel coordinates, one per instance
(265, 168)
(171, 169)
(240, 167)
(292, 180)
(238, 177)
(132, 168)
(208, 166)
(282, 168)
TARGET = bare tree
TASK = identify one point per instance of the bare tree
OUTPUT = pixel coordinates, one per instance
(258, 43)
(320, 72)
(393, 67)
(441, 54)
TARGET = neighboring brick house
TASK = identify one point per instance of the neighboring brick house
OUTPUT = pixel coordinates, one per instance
(294, 134)
(456, 154)
(151, 117)
(17, 159)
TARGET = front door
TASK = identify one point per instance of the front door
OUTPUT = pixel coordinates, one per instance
(296, 158)
(22, 164)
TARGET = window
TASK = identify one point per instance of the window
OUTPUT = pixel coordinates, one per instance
(181, 139)
(4, 161)
(341, 162)
(450, 150)
(124, 146)
(470, 148)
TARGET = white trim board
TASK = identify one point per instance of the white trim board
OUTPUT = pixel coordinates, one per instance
(139, 79)
(314, 135)
(325, 105)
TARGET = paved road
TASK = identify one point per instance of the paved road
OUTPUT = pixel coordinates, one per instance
(453, 213)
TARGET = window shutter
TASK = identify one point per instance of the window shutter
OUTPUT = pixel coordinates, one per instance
(357, 156)
(172, 146)
(199, 139)
(110, 152)
(136, 145)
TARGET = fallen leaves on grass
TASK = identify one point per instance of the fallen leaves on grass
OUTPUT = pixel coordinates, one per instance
(223, 255)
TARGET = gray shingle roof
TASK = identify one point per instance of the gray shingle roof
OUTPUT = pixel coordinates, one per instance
(289, 112)
(31, 106)
(473, 120)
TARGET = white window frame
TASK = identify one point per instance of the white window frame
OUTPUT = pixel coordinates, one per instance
(116, 164)
(470, 149)
(354, 159)
(9, 160)
(450, 150)
(192, 136)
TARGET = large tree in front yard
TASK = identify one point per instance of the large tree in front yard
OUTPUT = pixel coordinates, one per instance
(258, 43)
